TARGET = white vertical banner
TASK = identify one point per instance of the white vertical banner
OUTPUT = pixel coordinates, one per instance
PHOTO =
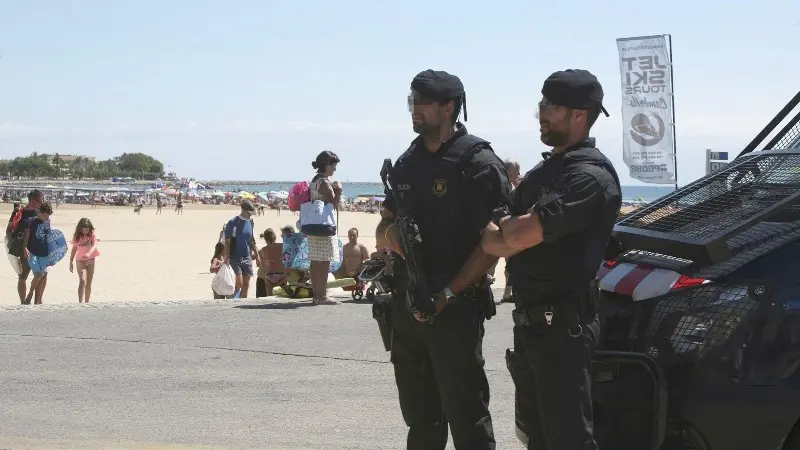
(648, 138)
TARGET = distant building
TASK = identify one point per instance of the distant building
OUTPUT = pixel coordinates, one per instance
(68, 159)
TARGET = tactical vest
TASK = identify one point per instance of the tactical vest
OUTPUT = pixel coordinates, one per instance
(435, 191)
(571, 259)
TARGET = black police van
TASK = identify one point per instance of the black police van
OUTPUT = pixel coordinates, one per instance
(700, 310)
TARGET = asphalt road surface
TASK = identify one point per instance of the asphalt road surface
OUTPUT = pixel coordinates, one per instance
(211, 374)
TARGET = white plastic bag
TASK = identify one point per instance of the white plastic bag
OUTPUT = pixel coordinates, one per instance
(16, 263)
(224, 282)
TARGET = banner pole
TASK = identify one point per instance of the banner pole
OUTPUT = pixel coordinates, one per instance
(672, 97)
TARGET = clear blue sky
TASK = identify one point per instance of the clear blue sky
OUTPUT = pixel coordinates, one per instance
(255, 89)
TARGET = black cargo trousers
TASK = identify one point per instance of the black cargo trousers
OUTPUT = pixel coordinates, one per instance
(440, 378)
(553, 372)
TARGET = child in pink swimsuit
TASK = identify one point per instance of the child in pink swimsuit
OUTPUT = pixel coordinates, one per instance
(84, 252)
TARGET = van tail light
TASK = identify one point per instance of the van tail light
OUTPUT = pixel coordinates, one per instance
(687, 282)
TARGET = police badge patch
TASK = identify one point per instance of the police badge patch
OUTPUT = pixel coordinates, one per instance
(549, 199)
(439, 187)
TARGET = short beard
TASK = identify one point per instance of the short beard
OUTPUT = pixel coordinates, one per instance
(554, 138)
(426, 129)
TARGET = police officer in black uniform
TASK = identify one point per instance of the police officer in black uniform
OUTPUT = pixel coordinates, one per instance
(450, 182)
(556, 235)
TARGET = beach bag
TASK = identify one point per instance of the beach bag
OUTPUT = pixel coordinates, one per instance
(14, 243)
(299, 193)
(15, 261)
(318, 218)
(224, 282)
(295, 254)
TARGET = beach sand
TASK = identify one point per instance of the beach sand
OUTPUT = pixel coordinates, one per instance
(160, 257)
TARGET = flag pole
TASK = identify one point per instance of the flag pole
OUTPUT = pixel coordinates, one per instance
(672, 98)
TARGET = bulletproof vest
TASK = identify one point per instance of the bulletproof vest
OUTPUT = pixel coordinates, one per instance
(434, 190)
(579, 255)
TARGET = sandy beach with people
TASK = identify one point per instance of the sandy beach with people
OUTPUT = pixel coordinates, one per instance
(159, 257)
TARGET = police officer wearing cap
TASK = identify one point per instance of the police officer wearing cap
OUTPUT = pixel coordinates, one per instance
(555, 236)
(450, 182)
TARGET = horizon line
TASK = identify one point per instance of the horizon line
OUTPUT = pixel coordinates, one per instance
(258, 183)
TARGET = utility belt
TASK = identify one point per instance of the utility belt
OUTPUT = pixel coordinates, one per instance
(564, 313)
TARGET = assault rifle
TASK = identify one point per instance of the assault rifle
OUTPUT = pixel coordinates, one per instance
(418, 297)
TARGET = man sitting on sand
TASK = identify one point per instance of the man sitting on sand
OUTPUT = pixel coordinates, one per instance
(353, 256)
(271, 272)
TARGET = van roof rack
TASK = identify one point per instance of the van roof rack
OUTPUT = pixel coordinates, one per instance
(705, 221)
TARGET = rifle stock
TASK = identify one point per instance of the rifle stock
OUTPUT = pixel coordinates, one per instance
(419, 297)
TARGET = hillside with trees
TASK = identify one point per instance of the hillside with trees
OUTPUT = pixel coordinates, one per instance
(42, 165)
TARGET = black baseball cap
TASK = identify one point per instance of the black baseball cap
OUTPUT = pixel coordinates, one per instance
(440, 86)
(247, 205)
(574, 88)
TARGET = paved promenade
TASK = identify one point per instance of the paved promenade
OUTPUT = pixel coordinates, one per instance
(211, 374)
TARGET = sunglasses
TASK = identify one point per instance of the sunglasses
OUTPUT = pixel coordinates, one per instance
(547, 105)
(416, 99)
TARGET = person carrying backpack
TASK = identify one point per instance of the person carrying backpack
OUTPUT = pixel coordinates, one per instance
(20, 220)
(240, 248)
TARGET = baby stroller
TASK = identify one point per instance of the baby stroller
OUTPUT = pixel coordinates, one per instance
(373, 278)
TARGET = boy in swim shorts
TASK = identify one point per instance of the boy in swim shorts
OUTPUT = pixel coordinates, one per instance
(36, 252)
